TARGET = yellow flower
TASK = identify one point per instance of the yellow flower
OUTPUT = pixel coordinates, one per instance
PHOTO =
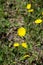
(31, 10)
(25, 56)
(28, 6)
(38, 21)
(42, 13)
(24, 45)
(16, 44)
(21, 32)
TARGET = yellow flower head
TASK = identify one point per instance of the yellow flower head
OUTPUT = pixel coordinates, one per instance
(21, 32)
(24, 45)
(31, 10)
(38, 21)
(16, 44)
(28, 6)
(25, 56)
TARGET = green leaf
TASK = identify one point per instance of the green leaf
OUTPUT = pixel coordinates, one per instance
(0, 58)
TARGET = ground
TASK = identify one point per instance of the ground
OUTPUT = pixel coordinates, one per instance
(14, 15)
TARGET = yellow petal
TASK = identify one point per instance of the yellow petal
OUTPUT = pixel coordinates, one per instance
(31, 10)
(16, 44)
(25, 56)
(21, 31)
(38, 21)
(24, 45)
(28, 6)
